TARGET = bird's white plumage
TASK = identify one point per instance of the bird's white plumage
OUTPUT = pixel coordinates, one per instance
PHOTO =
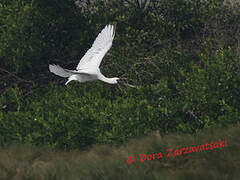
(101, 45)
(58, 70)
(88, 67)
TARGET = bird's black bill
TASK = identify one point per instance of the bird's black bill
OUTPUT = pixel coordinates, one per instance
(122, 82)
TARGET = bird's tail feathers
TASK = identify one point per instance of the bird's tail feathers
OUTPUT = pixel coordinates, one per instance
(58, 70)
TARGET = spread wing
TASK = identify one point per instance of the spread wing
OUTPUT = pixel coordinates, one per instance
(101, 45)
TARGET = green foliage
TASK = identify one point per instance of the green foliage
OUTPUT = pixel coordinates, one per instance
(209, 90)
(182, 58)
(201, 95)
(18, 33)
(31, 30)
(188, 17)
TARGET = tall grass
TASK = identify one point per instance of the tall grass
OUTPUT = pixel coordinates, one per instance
(104, 162)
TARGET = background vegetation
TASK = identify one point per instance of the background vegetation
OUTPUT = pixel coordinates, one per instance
(28, 162)
(182, 55)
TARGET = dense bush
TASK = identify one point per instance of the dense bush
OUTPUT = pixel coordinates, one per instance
(183, 59)
(32, 31)
(201, 95)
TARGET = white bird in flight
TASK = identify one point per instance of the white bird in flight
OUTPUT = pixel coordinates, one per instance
(88, 67)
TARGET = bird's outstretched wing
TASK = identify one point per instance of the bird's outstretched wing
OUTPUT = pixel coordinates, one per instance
(58, 70)
(101, 45)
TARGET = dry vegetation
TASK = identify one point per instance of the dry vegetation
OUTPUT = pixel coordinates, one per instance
(105, 162)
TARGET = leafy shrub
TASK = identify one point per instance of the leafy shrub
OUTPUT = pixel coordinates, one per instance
(187, 74)
(18, 32)
(196, 96)
(32, 30)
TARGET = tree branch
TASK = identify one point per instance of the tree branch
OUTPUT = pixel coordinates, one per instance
(17, 77)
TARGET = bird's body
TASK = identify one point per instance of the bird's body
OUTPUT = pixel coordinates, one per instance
(88, 67)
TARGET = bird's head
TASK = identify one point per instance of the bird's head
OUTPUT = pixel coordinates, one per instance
(122, 81)
(116, 80)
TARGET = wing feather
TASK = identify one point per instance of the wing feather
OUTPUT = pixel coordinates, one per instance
(101, 45)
